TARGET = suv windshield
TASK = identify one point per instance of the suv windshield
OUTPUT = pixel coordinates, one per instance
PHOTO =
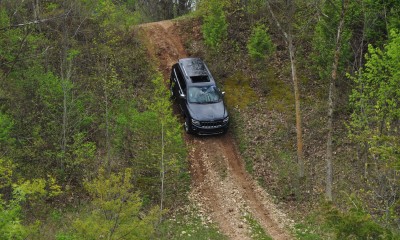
(204, 94)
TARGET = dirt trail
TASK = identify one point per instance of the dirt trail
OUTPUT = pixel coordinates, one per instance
(221, 188)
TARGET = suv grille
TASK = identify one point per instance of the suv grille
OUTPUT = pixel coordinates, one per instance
(213, 124)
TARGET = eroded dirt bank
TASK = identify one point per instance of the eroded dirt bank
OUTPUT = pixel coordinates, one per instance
(221, 188)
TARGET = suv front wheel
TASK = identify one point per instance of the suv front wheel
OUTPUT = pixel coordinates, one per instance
(171, 93)
(188, 125)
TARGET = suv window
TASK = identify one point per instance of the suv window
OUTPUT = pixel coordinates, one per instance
(199, 79)
(204, 94)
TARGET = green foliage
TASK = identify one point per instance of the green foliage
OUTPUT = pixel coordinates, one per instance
(6, 126)
(10, 222)
(279, 97)
(188, 225)
(80, 158)
(32, 191)
(116, 211)
(303, 232)
(260, 44)
(215, 25)
(255, 6)
(113, 16)
(240, 92)
(8, 39)
(324, 40)
(49, 91)
(6, 173)
(355, 224)
(366, 21)
(56, 78)
(380, 16)
(65, 236)
(161, 105)
(146, 138)
(257, 231)
(375, 100)
(4, 19)
(172, 150)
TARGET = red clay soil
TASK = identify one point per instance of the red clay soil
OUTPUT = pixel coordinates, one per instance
(221, 188)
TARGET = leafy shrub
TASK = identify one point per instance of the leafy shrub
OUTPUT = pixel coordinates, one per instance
(11, 211)
(215, 25)
(355, 224)
(116, 212)
(260, 44)
(6, 125)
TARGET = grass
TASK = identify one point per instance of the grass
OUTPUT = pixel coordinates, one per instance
(190, 226)
(221, 167)
(279, 97)
(313, 226)
(304, 232)
(239, 92)
(237, 127)
(56, 223)
(257, 232)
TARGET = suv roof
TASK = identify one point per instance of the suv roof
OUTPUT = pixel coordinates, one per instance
(196, 72)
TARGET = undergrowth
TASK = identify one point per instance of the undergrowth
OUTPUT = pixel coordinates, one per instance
(240, 92)
(256, 230)
(188, 225)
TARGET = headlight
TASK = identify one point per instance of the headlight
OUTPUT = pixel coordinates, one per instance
(226, 120)
(195, 122)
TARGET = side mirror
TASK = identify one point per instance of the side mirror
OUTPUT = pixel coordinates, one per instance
(182, 96)
(223, 93)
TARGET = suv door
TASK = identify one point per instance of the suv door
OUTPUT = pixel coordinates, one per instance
(178, 87)
(182, 91)
(173, 85)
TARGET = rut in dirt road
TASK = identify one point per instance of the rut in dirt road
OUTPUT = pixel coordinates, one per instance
(221, 187)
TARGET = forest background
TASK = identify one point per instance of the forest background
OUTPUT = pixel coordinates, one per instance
(88, 140)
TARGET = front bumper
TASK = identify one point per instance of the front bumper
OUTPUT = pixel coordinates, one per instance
(210, 128)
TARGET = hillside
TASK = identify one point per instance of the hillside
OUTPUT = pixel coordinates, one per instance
(92, 147)
(220, 187)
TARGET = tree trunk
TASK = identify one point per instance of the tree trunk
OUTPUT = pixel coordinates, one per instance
(162, 171)
(107, 133)
(289, 41)
(64, 72)
(331, 101)
(329, 147)
(299, 133)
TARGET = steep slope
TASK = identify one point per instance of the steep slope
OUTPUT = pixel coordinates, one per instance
(221, 188)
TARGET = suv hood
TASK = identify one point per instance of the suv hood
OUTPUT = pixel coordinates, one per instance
(208, 112)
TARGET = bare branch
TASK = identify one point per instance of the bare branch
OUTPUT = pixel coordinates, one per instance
(34, 22)
(276, 21)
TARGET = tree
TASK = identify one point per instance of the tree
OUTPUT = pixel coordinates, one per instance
(169, 161)
(260, 44)
(21, 193)
(374, 124)
(215, 25)
(6, 140)
(156, 10)
(116, 211)
(288, 37)
(331, 102)
(355, 223)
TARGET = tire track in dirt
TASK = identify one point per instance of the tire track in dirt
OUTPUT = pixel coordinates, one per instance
(221, 187)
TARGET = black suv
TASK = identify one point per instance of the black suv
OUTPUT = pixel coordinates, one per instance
(199, 99)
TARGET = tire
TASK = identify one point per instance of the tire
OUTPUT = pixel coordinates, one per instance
(171, 94)
(187, 126)
(224, 132)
